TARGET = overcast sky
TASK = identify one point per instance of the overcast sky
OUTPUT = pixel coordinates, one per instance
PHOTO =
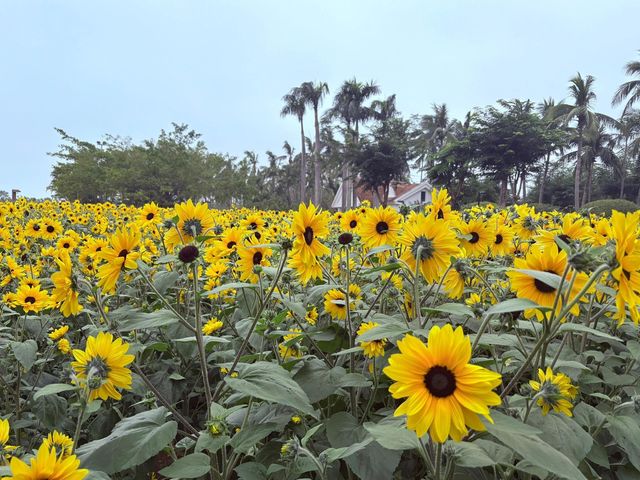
(132, 67)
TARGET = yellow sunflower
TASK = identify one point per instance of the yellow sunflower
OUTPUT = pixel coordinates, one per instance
(350, 220)
(251, 256)
(502, 244)
(103, 364)
(381, 226)
(47, 465)
(212, 326)
(624, 230)
(309, 225)
(550, 260)
(373, 348)
(554, 391)
(62, 443)
(32, 299)
(290, 345)
(194, 220)
(435, 243)
(65, 290)
(480, 237)
(335, 301)
(445, 394)
(440, 208)
(120, 255)
(4, 440)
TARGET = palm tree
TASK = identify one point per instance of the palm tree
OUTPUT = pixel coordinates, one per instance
(550, 114)
(628, 138)
(294, 105)
(433, 132)
(581, 91)
(630, 90)
(312, 94)
(289, 150)
(349, 108)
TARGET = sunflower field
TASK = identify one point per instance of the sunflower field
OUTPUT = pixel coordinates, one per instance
(188, 342)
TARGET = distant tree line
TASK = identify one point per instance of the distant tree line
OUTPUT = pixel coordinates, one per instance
(561, 153)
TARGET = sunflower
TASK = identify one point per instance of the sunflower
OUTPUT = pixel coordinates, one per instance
(251, 256)
(306, 269)
(47, 465)
(212, 326)
(455, 279)
(350, 220)
(335, 303)
(103, 363)
(58, 333)
(65, 290)
(627, 272)
(149, 214)
(50, 229)
(193, 221)
(435, 243)
(445, 394)
(290, 345)
(5, 448)
(309, 225)
(373, 348)
(381, 226)
(554, 391)
(32, 299)
(311, 317)
(119, 255)
(440, 208)
(502, 244)
(574, 228)
(63, 444)
(231, 238)
(477, 237)
(548, 260)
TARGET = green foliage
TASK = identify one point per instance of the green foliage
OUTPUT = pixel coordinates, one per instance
(606, 206)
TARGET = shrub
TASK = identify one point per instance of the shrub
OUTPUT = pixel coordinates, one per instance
(606, 206)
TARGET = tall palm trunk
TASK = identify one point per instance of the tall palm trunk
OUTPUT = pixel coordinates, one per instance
(545, 172)
(317, 168)
(578, 176)
(303, 166)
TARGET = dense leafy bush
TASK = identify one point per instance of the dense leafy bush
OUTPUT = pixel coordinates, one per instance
(605, 207)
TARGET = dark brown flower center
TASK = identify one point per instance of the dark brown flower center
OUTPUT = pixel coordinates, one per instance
(440, 381)
(50, 229)
(474, 237)
(308, 235)
(257, 258)
(150, 216)
(382, 228)
(440, 214)
(231, 244)
(353, 224)
(30, 300)
(123, 253)
(498, 239)
(544, 287)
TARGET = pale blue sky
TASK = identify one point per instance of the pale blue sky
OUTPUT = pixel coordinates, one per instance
(132, 67)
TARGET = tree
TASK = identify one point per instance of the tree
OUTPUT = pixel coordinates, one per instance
(432, 133)
(581, 91)
(629, 91)
(312, 94)
(557, 136)
(295, 105)
(383, 157)
(349, 108)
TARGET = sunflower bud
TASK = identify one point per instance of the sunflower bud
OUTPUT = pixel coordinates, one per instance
(345, 238)
(189, 254)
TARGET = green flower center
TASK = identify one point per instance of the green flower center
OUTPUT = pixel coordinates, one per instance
(425, 247)
(192, 227)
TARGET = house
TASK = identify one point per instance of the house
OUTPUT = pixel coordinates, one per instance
(409, 194)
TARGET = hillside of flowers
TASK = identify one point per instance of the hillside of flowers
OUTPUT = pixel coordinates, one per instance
(152, 343)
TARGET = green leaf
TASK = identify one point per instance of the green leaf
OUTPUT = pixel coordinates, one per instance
(53, 388)
(578, 327)
(247, 438)
(626, 432)
(511, 305)
(540, 454)
(386, 330)
(550, 279)
(270, 382)
(392, 433)
(209, 443)
(229, 286)
(25, 352)
(563, 434)
(136, 320)
(634, 349)
(191, 466)
(163, 280)
(251, 471)
(133, 441)
(333, 454)
(310, 433)
(504, 423)
(453, 309)
(471, 455)
(373, 461)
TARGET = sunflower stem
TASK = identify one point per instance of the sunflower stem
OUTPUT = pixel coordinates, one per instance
(437, 475)
(422, 449)
(245, 342)
(204, 370)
